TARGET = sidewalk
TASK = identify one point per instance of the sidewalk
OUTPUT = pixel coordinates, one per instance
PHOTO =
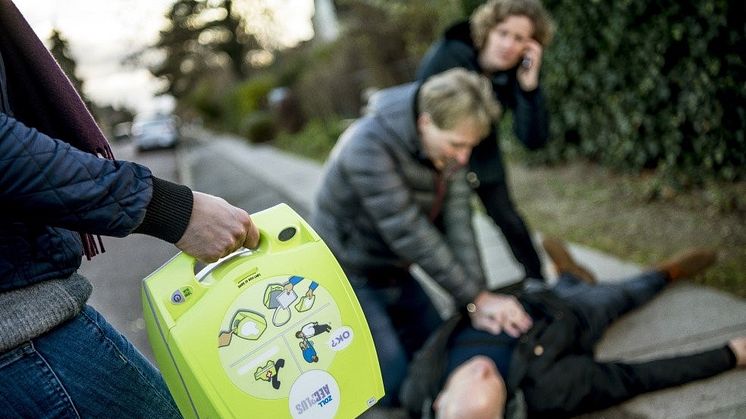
(684, 318)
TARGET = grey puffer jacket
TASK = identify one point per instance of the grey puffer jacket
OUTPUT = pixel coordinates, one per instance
(376, 194)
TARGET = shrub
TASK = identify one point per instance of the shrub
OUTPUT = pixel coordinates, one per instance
(258, 127)
(637, 84)
(315, 140)
(245, 98)
(205, 98)
(380, 46)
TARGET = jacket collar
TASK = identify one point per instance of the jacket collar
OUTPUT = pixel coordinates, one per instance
(395, 109)
(461, 32)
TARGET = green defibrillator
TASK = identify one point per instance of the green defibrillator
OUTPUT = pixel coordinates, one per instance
(272, 332)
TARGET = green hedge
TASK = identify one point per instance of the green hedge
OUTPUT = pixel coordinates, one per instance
(649, 84)
(245, 98)
(315, 140)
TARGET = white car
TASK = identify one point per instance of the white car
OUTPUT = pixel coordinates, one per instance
(159, 131)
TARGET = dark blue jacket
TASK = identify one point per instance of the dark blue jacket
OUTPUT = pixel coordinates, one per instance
(530, 117)
(49, 190)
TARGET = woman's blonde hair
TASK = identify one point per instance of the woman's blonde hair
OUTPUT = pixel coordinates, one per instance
(486, 16)
(457, 94)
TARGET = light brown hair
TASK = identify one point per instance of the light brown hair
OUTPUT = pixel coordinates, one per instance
(486, 16)
(458, 94)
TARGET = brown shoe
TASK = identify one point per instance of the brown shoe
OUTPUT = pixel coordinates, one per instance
(687, 263)
(563, 261)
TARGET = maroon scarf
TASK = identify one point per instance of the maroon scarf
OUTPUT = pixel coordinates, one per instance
(42, 97)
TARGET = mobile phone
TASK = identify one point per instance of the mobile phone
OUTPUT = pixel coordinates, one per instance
(526, 62)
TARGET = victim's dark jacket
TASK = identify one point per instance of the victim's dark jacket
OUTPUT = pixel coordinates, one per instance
(377, 194)
(530, 117)
(552, 369)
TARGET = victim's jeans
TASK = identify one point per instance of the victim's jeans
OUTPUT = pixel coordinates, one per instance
(600, 304)
(401, 317)
(82, 369)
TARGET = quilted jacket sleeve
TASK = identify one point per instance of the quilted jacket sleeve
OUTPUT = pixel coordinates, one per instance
(388, 201)
(47, 181)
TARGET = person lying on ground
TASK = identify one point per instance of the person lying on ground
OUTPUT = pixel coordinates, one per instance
(550, 371)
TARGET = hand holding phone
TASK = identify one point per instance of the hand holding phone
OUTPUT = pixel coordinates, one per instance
(526, 62)
(528, 70)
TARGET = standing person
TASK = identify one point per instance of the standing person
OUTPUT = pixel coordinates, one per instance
(503, 40)
(58, 356)
(394, 193)
(551, 372)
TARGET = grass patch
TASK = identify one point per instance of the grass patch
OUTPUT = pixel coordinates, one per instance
(615, 213)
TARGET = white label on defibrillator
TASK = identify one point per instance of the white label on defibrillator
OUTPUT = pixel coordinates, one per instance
(315, 394)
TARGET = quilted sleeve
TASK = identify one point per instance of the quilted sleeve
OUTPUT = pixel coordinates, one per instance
(47, 181)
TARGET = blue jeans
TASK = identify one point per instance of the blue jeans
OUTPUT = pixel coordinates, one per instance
(401, 318)
(599, 305)
(82, 368)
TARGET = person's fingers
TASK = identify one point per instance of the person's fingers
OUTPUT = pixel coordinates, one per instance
(205, 258)
(484, 323)
(512, 330)
(252, 237)
(492, 327)
(492, 324)
(235, 246)
(251, 232)
(525, 323)
(533, 47)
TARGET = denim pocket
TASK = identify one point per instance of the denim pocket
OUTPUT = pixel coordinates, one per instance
(15, 354)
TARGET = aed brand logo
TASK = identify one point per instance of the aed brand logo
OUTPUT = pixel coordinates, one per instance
(319, 397)
(250, 276)
(315, 394)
